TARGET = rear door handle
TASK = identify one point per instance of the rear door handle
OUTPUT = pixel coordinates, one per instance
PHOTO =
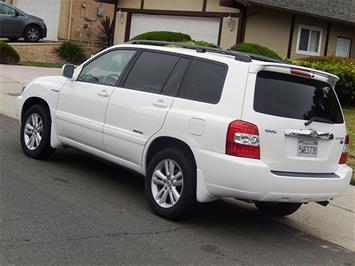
(160, 103)
(103, 93)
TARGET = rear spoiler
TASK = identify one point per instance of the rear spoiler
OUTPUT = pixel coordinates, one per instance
(295, 70)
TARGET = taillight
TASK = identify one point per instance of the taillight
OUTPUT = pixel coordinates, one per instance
(243, 140)
(344, 154)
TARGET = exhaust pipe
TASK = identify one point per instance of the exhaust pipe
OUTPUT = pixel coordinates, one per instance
(323, 203)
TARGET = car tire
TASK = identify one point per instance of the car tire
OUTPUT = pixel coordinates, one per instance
(35, 132)
(277, 209)
(32, 33)
(175, 197)
(13, 39)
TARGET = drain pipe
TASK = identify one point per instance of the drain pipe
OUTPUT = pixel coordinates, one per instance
(70, 20)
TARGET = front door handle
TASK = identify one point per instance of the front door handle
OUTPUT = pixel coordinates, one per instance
(103, 93)
(160, 103)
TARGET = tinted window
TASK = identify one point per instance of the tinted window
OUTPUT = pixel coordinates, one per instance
(107, 68)
(295, 97)
(6, 10)
(150, 72)
(203, 81)
(174, 82)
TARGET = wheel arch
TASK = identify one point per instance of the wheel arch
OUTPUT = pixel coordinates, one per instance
(32, 101)
(162, 142)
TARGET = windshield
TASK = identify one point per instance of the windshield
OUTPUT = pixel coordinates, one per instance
(295, 97)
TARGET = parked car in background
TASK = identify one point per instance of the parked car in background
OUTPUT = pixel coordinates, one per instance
(16, 24)
(198, 123)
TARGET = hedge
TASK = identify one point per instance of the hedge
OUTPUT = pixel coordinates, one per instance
(253, 48)
(344, 68)
(167, 36)
(202, 43)
(71, 52)
(8, 54)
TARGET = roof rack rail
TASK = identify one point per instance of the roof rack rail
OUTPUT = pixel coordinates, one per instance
(265, 58)
(200, 49)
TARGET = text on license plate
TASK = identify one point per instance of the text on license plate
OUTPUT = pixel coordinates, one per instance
(307, 148)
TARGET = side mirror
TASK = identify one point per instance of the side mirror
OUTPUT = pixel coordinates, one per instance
(68, 70)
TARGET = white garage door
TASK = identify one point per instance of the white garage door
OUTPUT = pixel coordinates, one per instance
(48, 10)
(201, 29)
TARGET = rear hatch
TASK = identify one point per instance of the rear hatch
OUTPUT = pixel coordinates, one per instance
(297, 112)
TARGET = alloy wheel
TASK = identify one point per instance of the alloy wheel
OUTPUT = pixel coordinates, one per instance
(167, 183)
(33, 131)
(33, 34)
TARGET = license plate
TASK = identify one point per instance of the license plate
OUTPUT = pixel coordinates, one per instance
(307, 148)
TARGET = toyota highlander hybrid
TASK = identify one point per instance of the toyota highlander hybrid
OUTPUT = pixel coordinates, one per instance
(199, 123)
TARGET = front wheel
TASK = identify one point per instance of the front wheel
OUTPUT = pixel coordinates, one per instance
(171, 184)
(32, 33)
(35, 132)
(277, 208)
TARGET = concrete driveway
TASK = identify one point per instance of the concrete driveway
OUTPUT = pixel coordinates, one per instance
(334, 224)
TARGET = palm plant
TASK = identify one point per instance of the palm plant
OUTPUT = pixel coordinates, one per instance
(105, 33)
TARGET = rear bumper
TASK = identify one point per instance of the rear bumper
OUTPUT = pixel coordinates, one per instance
(248, 179)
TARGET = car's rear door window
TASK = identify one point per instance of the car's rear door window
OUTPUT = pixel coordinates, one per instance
(295, 97)
(173, 84)
(203, 81)
(151, 71)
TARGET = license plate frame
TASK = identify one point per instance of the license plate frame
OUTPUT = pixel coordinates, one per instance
(307, 148)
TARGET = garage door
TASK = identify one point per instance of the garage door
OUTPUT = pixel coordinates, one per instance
(48, 10)
(202, 29)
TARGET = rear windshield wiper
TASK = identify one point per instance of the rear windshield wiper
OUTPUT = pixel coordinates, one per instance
(318, 119)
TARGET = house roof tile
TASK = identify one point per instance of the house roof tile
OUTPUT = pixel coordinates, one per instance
(343, 10)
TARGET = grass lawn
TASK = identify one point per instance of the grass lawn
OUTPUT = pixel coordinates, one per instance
(349, 113)
(40, 64)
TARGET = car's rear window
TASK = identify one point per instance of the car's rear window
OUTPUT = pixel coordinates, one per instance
(295, 97)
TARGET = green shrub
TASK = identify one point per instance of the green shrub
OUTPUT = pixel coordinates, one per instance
(167, 36)
(71, 52)
(257, 49)
(8, 55)
(202, 43)
(344, 68)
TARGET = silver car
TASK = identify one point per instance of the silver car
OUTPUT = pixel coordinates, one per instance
(15, 24)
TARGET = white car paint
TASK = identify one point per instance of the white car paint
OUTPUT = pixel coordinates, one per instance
(104, 127)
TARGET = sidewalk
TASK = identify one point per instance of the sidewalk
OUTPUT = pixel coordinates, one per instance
(12, 80)
(334, 223)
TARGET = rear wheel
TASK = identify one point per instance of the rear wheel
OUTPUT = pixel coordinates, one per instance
(32, 33)
(277, 208)
(36, 132)
(171, 184)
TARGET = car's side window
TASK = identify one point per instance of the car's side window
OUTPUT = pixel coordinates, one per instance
(173, 84)
(6, 10)
(203, 81)
(150, 71)
(106, 69)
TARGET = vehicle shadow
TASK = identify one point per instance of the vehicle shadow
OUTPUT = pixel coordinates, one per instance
(226, 212)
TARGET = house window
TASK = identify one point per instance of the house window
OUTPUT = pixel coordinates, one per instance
(309, 40)
(343, 47)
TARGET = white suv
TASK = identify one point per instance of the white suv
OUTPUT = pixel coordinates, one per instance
(198, 123)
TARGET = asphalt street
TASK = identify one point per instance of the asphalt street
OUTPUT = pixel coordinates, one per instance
(76, 209)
